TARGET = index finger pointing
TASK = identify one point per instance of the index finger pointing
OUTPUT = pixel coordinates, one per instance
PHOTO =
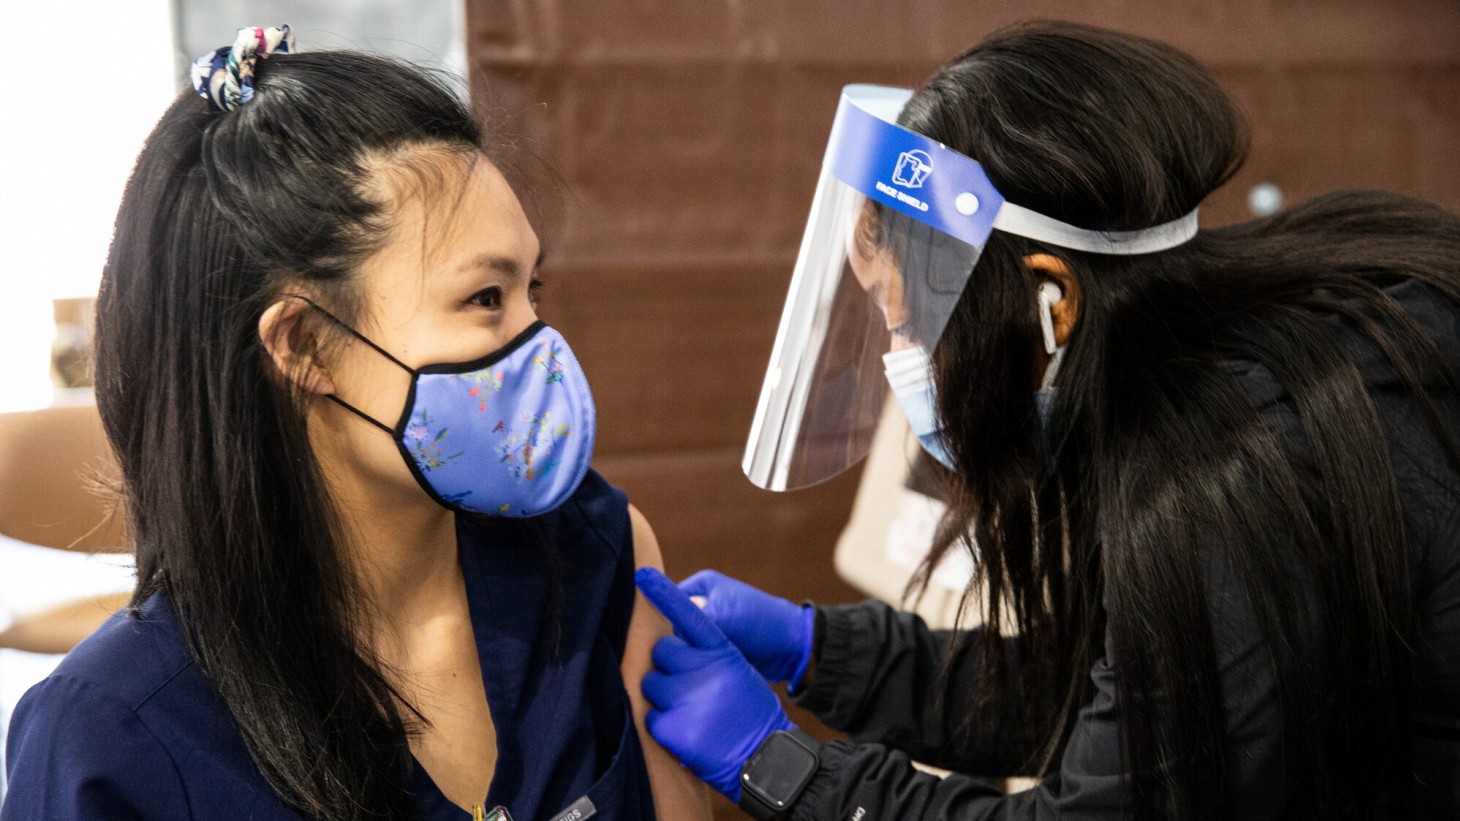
(688, 620)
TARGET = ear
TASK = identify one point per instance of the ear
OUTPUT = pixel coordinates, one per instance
(1065, 311)
(290, 341)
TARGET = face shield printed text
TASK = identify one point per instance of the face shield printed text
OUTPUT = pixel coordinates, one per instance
(901, 196)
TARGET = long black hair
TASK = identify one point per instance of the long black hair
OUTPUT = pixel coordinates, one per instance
(1157, 469)
(226, 504)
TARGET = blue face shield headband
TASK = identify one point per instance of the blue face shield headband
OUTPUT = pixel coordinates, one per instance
(508, 435)
(895, 232)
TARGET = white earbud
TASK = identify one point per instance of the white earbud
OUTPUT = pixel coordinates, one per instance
(1049, 294)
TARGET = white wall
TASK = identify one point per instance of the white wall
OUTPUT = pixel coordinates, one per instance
(81, 84)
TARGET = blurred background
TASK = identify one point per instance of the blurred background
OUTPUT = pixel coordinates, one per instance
(675, 149)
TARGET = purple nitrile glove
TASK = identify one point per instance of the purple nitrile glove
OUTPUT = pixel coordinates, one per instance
(774, 634)
(711, 709)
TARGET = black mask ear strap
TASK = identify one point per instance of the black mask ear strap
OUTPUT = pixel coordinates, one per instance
(362, 414)
(340, 322)
(383, 352)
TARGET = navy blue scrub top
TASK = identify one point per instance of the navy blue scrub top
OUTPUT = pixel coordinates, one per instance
(127, 727)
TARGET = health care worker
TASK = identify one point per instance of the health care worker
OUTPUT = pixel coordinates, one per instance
(1209, 477)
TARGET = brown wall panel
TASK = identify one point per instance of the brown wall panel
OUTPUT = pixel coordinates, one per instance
(691, 163)
(675, 354)
(778, 540)
(1321, 128)
(928, 32)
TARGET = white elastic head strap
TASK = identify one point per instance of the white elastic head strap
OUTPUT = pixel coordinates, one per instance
(1015, 219)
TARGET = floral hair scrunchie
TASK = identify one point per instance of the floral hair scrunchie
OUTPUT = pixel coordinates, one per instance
(225, 77)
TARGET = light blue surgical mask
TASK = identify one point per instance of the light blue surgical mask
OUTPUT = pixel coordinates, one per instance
(910, 374)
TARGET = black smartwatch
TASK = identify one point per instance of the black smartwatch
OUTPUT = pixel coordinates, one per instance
(773, 778)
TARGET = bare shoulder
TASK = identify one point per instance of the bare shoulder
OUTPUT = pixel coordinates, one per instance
(646, 544)
(677, 793)
(646, 626)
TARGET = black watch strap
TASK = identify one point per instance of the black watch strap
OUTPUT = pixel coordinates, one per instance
(792, 753)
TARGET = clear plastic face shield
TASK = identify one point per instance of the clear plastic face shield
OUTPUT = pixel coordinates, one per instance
(894, 235)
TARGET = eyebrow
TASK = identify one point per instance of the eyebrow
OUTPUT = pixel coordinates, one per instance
(506, 266)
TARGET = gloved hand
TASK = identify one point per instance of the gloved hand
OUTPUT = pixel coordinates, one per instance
(774, 634)
(711, 709)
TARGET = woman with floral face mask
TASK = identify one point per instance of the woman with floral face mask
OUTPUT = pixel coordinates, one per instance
(376, 576)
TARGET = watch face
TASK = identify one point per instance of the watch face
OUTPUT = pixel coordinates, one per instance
(779, 770)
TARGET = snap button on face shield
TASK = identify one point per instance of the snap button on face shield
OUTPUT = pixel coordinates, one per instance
(895, 232)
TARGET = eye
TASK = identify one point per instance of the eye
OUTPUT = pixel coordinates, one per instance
(489, 298)
(534, 291)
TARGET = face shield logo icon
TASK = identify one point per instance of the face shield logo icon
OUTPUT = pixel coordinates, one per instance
(913, 168)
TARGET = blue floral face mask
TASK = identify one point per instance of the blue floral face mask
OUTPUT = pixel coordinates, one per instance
(509, 434)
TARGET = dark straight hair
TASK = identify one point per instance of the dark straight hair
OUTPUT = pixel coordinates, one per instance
(229, 512)
(1158, 470)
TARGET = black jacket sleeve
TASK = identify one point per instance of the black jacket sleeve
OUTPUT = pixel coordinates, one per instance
(876, 781)
(879, 677)
(872, 782)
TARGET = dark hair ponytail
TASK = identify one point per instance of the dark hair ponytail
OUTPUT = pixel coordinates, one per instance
(226, 504)
(1157, 470)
